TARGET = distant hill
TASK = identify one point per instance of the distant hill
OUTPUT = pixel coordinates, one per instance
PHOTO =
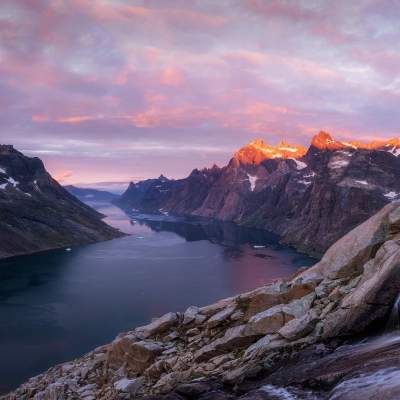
(36, 213)
(86, 195)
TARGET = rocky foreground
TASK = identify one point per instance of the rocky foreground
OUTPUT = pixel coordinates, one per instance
(36, 213)
(281, 341)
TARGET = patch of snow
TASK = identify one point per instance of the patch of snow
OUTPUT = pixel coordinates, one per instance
(10, 180)
(252, 180)
(13, 181)
(68, 249)
(36, 185)
(291, 149)
(362, 182)
(350, 145)
(305, 182)
(299, 164)
(89, 196)
(338, 164)
(258, 247)
(395, 151)
(344, 152)
(391, 195)
(277, 155)
(309, 175)
(3, 171)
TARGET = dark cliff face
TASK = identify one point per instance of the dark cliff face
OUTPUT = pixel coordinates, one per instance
(309, 197)
(36, 213)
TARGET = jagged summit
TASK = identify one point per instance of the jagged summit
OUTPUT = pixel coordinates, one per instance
(7, 149)
(163, 178)
(257, 151)
(324, 141)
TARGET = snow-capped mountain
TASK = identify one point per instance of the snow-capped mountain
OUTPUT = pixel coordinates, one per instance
(311, 197)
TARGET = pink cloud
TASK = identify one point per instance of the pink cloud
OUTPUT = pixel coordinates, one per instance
(62, 176)
(172, 76)
(77, 119)
(40, 118)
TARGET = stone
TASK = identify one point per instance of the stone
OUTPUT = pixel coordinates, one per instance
(200, 319)
(373, 296)
(258, 348)
(299, 327)
(220, 317)
(193, 389)
(158, 326)
(268, 321)
(193, 332)
(190, 315)
(169, 381)
(130, 386)
(273, 319)
(135, 356)
(234, 338)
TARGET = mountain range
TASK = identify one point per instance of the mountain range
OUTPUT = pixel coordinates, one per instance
(310, 197)
(91, 195)
(36, 213)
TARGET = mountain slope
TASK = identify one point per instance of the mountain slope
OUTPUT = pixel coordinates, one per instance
(87, 194)
(36, 213)
(309, 197)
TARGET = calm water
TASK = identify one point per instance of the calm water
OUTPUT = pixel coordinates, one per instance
(57, 305)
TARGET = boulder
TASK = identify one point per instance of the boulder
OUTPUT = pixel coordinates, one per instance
(273, 319)
(234, 338)
(130, 386)
(135, 356)
(190, 315)
(346, 257)
(169, 381)
(158, 326)
(221, 316)
(299, 327)
(373, 296)
(193, 390)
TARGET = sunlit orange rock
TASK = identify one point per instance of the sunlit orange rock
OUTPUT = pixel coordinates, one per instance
(257, 151)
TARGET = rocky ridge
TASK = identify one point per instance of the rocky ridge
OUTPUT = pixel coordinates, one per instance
(36, 213)
(251, 345)
(310, 197)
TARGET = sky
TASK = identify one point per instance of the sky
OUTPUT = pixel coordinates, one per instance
(120, 90)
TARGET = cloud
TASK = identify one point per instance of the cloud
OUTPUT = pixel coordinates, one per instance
(62, 176)
(171, 76)
(114, 89)
(40, 118)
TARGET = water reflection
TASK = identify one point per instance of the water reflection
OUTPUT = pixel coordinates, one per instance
(57, 305)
